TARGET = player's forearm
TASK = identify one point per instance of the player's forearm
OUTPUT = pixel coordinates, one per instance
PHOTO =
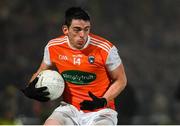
(42, 67)
(33, 77)
(36, 74)
(115, 89)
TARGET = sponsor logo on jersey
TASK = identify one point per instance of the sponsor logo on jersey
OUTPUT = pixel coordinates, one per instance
(78, 77)
(91, 59)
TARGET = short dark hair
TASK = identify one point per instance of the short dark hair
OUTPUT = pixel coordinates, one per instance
(75, 13)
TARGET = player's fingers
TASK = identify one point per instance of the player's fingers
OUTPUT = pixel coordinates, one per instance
(84, 106)
(41, 89)
(42, 94)
(85, 102)
(92, 95)
(33, 83)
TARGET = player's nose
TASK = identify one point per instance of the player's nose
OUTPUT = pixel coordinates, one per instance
(81, 34)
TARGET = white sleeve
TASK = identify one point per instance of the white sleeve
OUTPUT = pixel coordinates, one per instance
(46, 57)
(113, 60)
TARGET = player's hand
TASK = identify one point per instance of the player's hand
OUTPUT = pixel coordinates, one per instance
(36, 93)
(95, 103)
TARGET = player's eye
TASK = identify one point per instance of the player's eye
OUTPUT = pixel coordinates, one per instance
(76, 29)
(86, 29)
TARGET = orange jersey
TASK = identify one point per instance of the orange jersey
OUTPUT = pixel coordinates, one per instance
(83, 70)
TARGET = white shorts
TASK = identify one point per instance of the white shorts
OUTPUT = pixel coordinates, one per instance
(69, 115)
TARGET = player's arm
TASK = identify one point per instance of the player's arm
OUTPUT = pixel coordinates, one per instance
(42, 67)
(39, 94)
(119, 82)
(118, 77)
(116, 71)
(45, 64)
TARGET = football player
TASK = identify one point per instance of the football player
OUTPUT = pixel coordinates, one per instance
(92, 69)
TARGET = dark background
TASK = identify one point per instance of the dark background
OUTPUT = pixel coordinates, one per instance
(146, 33)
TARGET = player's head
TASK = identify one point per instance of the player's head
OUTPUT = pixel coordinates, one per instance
(76, 27)
(75, 13)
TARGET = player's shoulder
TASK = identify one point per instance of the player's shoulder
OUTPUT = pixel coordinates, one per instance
(99, 39)
(100, 42)
(57, 41)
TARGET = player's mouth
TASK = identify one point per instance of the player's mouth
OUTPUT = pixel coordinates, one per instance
(81, 42)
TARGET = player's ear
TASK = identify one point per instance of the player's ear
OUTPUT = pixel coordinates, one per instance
(65, 29)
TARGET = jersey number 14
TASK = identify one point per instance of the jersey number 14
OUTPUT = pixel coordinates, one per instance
(77, 60)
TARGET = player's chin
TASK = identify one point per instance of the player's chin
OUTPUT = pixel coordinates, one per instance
(79, 46)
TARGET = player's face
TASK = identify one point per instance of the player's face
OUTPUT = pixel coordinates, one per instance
(77, 32)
